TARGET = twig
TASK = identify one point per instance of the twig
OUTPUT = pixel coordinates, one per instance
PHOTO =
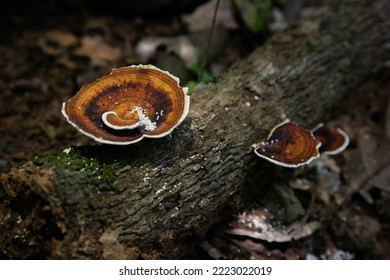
(204, 62)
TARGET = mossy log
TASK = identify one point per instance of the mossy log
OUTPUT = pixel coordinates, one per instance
(157, 198)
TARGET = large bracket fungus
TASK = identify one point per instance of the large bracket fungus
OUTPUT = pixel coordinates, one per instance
(129, 104)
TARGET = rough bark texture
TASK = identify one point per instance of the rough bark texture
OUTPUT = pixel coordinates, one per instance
(157, 198)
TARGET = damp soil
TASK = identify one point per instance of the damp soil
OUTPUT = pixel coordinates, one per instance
(48, 52)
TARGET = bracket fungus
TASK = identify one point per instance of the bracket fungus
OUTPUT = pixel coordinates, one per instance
(333, 140)
(289, 145)
(129, 104)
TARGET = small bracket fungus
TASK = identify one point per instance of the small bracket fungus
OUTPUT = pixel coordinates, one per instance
(333, 140)
(289, 145)
(128, 104)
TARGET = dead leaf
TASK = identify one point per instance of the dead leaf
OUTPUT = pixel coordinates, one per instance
(62, 38)
(202, 17)
(363, 163)
(380, 181)
(56, 42)
(256, 224)
(98, 51)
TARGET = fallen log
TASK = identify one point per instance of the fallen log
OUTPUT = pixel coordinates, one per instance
(157, 198)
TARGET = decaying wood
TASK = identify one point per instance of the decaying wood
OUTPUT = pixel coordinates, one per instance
(166, 193)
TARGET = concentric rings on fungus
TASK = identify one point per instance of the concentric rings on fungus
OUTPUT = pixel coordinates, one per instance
(289, 145)
(129, 104)
(333, 140)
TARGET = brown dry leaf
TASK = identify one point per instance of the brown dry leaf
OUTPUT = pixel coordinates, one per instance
(202, 17)
(362, 164)
(380, 181)
(212, 251)
(55, 42)
(182, 46)
(190, 48)
(256, 224)
(98, 51)
(62, 38)
(374, 148)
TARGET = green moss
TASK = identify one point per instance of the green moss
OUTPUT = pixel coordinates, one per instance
(203, 77)
(76, 161)
(312, 46)
(313, 226)
(72, 159)
(255, 13)
(108, 173)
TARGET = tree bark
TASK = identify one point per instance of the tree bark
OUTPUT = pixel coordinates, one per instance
(157, 198)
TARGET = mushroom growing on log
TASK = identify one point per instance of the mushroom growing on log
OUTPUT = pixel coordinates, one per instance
(128, 104)
(333, 140)
(289, 145)
(171, 190)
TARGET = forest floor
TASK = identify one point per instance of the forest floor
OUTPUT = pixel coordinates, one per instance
(51, 51)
